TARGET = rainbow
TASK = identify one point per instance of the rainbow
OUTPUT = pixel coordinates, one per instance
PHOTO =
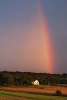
(47, 45)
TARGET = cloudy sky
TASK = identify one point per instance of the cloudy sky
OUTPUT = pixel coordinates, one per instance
(21, 38)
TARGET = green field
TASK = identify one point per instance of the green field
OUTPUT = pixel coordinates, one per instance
(6, 94)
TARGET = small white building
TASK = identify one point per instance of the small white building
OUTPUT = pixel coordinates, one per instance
(36, 82)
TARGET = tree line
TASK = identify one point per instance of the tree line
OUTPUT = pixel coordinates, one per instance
(26, 78)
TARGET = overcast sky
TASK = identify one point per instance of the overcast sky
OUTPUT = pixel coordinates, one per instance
(20, 39)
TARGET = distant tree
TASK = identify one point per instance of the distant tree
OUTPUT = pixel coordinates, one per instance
(63, 81)
(7, 79)
(25, 78)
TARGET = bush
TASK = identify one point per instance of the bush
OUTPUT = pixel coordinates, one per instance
(58, 93)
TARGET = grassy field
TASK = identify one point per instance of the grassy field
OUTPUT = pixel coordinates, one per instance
(37, 89)
(8, 95)
(32, 93)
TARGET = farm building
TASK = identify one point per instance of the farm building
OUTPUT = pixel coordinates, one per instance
(36, 82)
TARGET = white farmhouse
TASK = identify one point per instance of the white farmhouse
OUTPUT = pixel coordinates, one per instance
(36, 82)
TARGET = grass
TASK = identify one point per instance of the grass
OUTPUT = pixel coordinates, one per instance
(6, 94)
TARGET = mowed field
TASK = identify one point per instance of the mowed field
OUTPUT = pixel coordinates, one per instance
(37, 89)
(8, 95)
(32, 93)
